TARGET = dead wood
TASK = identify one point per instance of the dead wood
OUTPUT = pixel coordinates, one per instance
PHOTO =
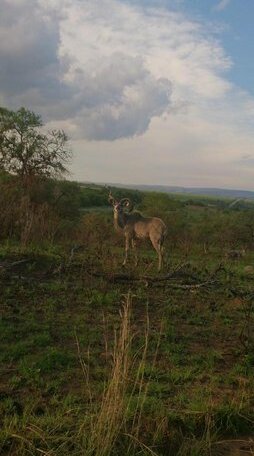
(169, 278)
(5, 266)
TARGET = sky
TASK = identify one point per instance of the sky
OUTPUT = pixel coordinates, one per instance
(148, 91)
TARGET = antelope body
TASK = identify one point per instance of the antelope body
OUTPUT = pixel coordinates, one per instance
(135, 226)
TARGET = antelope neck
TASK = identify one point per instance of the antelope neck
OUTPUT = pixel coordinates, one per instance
(120, 219)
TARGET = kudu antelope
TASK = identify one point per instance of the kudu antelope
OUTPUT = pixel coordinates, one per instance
(135, 226)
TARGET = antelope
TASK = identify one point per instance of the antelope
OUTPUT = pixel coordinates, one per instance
(134, 226)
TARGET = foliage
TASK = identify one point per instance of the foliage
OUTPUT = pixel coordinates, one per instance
(93, 196)
(33, 204)
(97, 196)
(44, 211)
(26, 151)
(159, 203)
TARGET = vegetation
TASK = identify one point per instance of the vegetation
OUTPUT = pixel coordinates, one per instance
(28, 152)
(100, 360)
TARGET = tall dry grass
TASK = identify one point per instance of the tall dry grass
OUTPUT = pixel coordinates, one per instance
(116, 420)
(24, 219)
(108, 422)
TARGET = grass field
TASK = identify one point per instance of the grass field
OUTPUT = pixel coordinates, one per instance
(100, 360)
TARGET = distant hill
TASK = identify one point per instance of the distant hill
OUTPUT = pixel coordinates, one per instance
(220, 192)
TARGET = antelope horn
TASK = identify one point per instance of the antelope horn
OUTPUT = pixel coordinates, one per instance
(111, 200)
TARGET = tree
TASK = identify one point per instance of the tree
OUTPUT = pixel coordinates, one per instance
(26, 151)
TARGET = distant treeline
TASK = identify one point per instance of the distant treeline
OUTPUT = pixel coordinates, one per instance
(97, 196)
(93, 195)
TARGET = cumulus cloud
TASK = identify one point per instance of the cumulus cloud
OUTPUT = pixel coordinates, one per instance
(106, 67)
(105, 96)
(120, 99)
(28, 48)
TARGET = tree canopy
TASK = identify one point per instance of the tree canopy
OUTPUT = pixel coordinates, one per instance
(26, 150)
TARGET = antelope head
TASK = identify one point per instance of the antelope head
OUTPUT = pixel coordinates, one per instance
(119, 206)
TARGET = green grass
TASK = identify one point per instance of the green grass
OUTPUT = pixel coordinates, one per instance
(57, 336)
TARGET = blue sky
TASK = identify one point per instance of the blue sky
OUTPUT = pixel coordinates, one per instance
(157, 92)
(236, 19)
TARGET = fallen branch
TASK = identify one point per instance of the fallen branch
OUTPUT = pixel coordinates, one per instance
(6, 266)
(123, 278)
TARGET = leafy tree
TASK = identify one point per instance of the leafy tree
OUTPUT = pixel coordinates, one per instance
(30, 159)
(27, 151)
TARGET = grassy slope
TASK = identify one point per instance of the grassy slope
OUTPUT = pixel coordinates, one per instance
(57, 335)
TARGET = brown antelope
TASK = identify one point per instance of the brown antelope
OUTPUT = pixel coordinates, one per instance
(135, 226)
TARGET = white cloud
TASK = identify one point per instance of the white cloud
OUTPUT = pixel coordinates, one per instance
(105, 65)
(223, 4)
(121, 103)
(150, 79)
(124, 58)
(171, 46)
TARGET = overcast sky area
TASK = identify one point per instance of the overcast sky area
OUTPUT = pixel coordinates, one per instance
(148, 91)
